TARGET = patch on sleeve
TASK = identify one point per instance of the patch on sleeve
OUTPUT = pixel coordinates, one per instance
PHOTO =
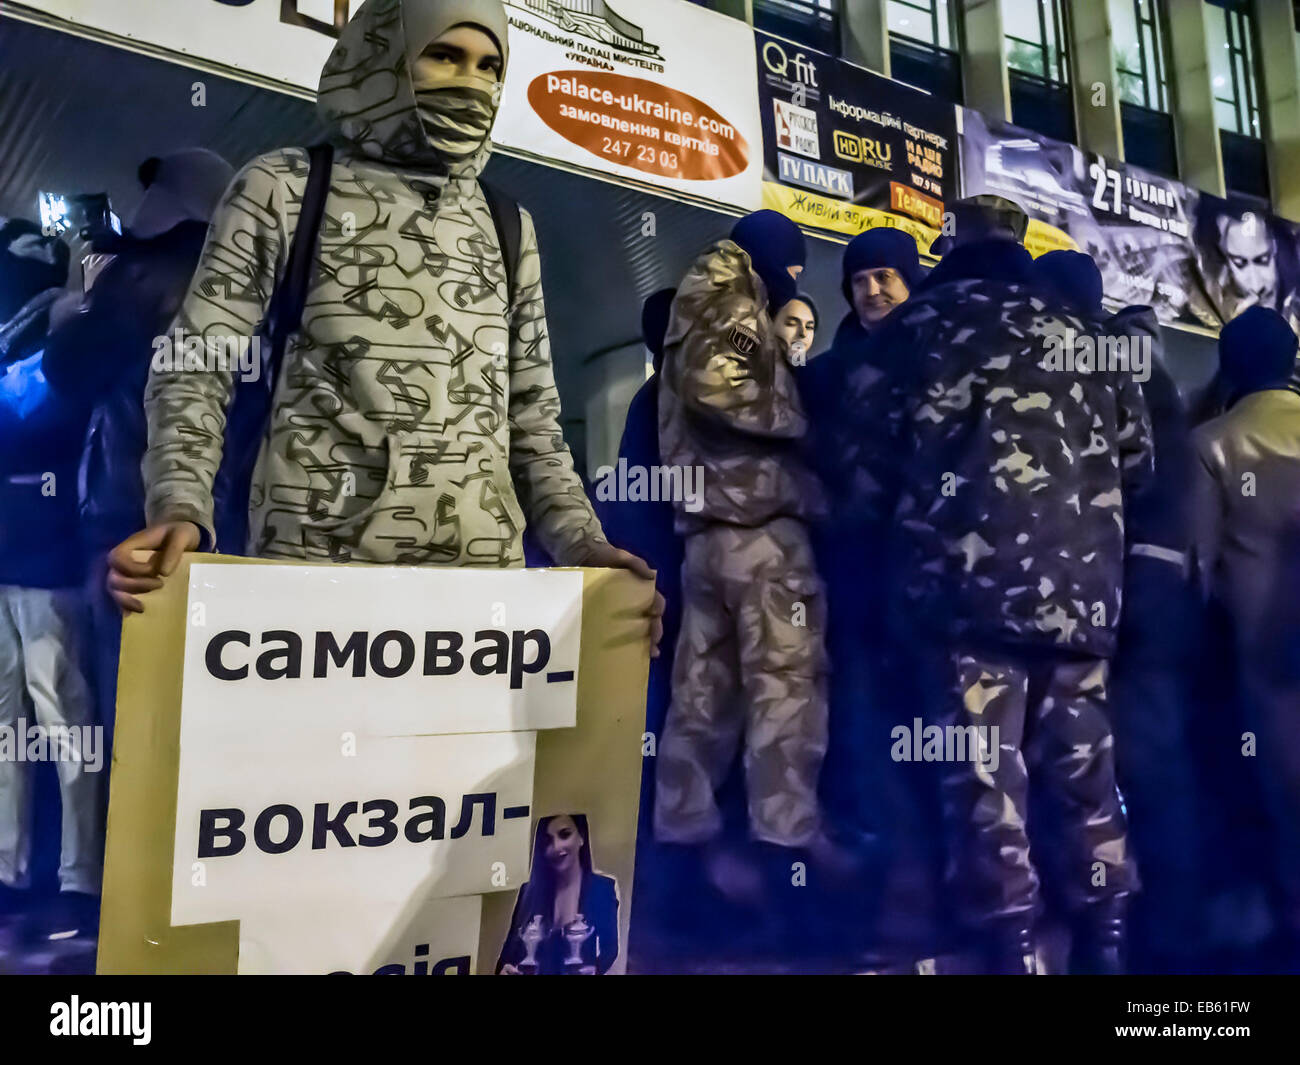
(743, 339)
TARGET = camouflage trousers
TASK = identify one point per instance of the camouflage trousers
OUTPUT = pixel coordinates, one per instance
(750, 667)
(1055, 755)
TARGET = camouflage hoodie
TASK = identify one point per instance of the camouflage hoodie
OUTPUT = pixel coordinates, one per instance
(727, 398)
(1012, 478)
(418, 397)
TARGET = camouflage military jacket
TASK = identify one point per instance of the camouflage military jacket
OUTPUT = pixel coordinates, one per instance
(728, 403)
(1011, 474)
(415, 418)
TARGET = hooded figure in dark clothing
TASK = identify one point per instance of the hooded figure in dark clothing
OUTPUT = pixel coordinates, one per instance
(41, 679)
(39, 432)
(1247, 557)
(646, 526)
(99, 356)
(1007, 484)
(1150, 689)
(33, 269)
(865, 793)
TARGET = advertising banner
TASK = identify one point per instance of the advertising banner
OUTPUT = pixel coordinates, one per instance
(294, 790)
(1239, 256)
(659, 91)
(277, 40)
(845, 149)
(1135, 224)
(655, 90)
(1196, 258)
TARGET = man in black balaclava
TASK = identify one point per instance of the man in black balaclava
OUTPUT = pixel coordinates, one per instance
(776, 251)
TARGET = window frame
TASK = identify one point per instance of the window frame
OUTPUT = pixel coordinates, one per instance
(1060, 22)
(1239, 31)
(1155, 24)
(931, 8)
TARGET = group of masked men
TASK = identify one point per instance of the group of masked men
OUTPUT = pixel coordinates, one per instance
(940, 522)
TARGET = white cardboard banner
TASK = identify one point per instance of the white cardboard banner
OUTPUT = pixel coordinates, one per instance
(437, 650)
(436, 937)
(326, 755)
(321, 829)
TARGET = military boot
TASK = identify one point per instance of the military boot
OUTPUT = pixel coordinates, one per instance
(1100, 946)
(1010, 949)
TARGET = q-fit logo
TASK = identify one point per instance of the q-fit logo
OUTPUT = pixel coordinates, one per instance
(779, 62)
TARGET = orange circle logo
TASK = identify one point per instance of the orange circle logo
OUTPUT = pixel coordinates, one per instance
(640, 124)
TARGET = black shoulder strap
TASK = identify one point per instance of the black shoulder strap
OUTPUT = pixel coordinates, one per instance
(285, 313)
(509, 226)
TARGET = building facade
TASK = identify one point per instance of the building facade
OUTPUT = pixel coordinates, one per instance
(1205, 91)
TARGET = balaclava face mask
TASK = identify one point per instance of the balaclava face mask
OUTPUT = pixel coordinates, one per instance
(457, 116)
(774, 244)
(367, 91)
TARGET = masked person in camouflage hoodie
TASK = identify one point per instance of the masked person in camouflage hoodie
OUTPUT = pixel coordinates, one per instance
(749, 661)
(416, 419)
(1013, 468)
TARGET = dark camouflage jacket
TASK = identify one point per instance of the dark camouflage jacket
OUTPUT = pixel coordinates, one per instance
(1009, 477)
(728, 401)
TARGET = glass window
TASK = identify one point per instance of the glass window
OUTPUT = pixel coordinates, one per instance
(812, 22)
(1034, 36)
(805, 8)
(923, 48)
(1140, 59)
(922, 20)
(1230, 37)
